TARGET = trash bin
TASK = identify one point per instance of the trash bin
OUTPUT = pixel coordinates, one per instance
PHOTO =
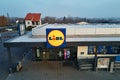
(19, 66)
(15, 67)
(111, 67)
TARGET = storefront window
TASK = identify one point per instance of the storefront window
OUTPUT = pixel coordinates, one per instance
(101, 50)
(91, 49)
(113, 50)
(104, 49)
(66, 54)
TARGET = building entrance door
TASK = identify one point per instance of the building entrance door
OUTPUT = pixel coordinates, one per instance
(52, 55)
(68, 54)
(45, 56)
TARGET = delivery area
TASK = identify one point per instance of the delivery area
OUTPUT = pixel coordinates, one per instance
(87, 46)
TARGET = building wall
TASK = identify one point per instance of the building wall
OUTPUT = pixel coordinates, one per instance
(28, 23)
(40, 22)
(82, 50)
(81, 31)
(84, 31)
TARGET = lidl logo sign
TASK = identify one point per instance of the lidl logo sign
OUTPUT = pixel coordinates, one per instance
(56, 37)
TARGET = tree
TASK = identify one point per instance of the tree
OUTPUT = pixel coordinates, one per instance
(49, 20)
(3, 21)
(64, 19)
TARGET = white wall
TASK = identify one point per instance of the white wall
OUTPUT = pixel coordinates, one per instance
(30, 23)
(117, 30)
(105, 30)
(80, 31)
(40, 22)
(84, 31)
(82, 49)
(38, 31)
(26, 23)
(70, 31)
(96, 31)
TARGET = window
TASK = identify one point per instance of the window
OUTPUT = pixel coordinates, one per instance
(82, 53)
(33, 23)
(113, 50)
(36, 23)
(28, 22)
(91, 49)
(104, 49)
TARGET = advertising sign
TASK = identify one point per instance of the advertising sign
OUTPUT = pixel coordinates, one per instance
(21, 29)
(117, 59)
(103, 62)
(55, 37)
(66, 54)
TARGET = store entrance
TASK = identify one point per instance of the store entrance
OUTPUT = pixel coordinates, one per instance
(45, 56)
(55, 54)
(50, 55)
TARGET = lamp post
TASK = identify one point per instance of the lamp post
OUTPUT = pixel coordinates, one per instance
(95, 52)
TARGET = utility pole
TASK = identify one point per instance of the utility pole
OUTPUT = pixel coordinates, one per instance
(2, 21)
(8, 19)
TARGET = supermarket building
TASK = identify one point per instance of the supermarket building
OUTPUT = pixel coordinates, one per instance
(84, 44)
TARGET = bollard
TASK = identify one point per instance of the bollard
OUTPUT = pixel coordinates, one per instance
(19, 64)
(111, 67)
(17, 68)
(10, 70)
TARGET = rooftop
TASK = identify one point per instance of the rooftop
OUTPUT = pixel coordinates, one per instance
(74, 29)
(71, 35)
(33, 16)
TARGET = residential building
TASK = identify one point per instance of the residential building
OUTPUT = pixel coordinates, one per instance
(33, 19)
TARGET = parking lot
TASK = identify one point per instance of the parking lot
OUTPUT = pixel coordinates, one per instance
(16, 54)
(54, 70)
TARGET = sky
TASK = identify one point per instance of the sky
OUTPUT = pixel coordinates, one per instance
(60, 8)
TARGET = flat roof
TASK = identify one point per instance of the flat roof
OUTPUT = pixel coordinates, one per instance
(28, 38)
(81, 26)
(74, 29)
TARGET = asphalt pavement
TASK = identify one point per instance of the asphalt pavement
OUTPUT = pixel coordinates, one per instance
(54, 70)
(17, 53)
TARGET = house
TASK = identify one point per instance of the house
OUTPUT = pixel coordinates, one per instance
(82, 23)
(33, 19)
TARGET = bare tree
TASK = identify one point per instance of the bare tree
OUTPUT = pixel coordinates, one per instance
(3, 21)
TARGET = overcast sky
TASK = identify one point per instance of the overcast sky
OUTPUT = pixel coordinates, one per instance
(60, 8)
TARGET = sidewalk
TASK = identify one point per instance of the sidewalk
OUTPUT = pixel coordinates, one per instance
(56, 71)
(3, 74)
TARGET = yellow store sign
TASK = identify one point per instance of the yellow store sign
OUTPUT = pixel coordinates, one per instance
(55, 37)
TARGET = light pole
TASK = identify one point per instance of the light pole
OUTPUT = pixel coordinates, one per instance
(1, 37)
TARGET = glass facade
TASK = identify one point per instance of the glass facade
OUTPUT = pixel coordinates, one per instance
(104, 49)
(55, 54)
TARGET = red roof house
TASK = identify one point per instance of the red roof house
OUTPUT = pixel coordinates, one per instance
(33, 19)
